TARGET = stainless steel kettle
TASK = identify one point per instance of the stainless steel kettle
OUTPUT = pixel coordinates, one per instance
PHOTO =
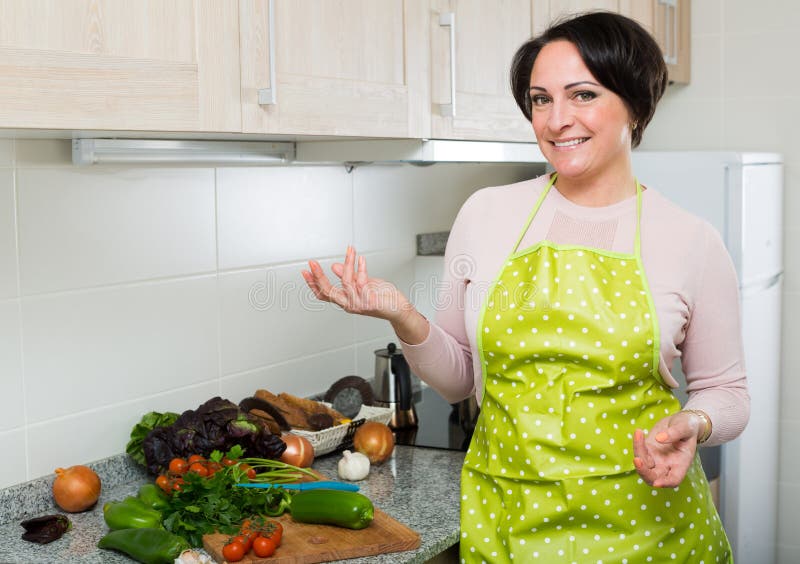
(392, 386)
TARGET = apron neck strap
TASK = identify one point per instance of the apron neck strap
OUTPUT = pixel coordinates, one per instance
(535, 209)
(637, 241)
(637, 245)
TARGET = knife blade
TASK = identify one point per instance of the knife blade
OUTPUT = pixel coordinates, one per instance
(322, 484)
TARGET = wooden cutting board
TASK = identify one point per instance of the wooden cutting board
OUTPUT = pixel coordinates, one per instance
(305, 543)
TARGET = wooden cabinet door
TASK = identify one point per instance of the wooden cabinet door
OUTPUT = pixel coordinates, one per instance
(671, 27)
(155, 65)
(343, 67)
(487, 34)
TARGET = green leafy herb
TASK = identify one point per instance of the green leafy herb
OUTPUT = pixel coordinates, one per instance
(212, 504)
(149, 422)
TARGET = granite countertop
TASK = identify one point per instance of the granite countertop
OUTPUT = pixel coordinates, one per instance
(417, 486)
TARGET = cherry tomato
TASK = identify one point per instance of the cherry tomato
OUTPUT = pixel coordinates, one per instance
(196, 458)
(233, 551)
(213, 467)
(178, 466)
(272, 530)
(248, 470)
(199, 468)
(177, 484)
(264, 547)
(246, 526)
(163, 482)
(228, 461)
(245, 540)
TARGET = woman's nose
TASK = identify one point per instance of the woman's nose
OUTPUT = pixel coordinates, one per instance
(560, 116)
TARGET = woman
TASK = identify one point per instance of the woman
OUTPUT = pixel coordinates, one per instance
(579, 289)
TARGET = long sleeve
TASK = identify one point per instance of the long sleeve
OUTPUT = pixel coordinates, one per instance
(712, 356)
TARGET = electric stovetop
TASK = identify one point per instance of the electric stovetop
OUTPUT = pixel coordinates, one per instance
(441, 425)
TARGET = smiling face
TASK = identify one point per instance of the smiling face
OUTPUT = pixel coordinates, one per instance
(583, 128)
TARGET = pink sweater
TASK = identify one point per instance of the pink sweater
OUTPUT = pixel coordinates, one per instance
(690, 273)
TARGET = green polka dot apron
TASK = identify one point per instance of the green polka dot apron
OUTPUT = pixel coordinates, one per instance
(569, 345)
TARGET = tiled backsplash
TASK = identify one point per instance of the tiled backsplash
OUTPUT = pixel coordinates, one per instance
(126, 290)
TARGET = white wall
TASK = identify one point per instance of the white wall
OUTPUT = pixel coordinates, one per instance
(126, 290)
(745, 95)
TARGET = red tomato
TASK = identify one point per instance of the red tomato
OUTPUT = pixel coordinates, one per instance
(163, 482)
(199, 468)
(264, 547)
(233, 551)
(196, 458)
(178, 466)
(273, 530)
(177, 484)
(245, 540)
(228, 461)
(250, 472)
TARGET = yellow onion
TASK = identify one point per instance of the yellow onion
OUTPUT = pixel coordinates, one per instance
(299, 451)
(375, 440)
(76, 489)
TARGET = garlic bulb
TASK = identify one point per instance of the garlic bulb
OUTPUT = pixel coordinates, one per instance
(353, 466)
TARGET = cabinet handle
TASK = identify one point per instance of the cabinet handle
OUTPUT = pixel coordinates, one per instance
(449, 19)
(671, 31)
(269, 96)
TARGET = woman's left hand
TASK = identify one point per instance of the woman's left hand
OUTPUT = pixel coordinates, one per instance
(664, 456)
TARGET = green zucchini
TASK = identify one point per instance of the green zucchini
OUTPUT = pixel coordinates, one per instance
(351, 510)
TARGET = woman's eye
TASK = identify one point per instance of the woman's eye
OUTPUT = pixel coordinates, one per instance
(585, 96)
(538, 99)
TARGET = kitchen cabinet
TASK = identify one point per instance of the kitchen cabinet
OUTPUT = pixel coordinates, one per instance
(672, 29)
(341, 67)
(668, 20)
(471, 46)
(158, 65)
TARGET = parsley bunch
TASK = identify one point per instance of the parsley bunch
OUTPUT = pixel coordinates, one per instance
(214, 504)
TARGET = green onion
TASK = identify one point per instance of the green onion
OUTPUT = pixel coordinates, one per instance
(277, 472)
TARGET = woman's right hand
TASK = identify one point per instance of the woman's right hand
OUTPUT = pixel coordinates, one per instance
(358, 292)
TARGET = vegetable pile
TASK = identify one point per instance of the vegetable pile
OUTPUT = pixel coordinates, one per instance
(218, 424)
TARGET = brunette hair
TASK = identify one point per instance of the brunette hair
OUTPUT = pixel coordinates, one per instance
(618, 52)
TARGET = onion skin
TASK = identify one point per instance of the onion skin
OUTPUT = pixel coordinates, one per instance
(375, 440)
(76, 489)
(299, 451)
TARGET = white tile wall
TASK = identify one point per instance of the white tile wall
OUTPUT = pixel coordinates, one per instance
(311, 374)
(743, 16)
(101, 432)
(274, 215)
(15, 467)
(269, 316)
(156, 288)
(82, 228)
(11, 366)
(744, 97)
(87, 349)
(8, 243)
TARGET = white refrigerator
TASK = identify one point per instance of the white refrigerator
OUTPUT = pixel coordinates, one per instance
(741, 195)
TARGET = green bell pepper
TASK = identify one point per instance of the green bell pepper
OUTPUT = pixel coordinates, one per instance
(130, 513)
(153, 497)
(147, 545)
